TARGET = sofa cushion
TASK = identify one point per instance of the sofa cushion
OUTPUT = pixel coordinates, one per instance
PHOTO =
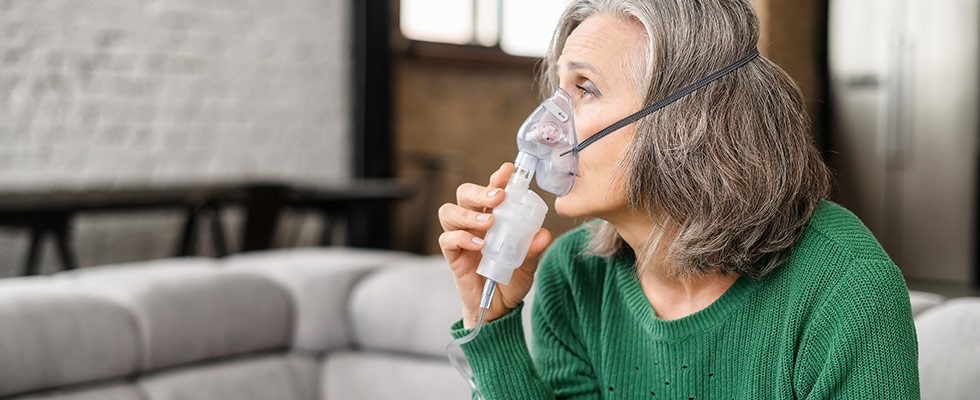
(53, 335)
(102, 392)
(409, 308)
(406, 308)
(319, 282)
(922, 301)
(367, 375)
(189, 314)
(280, 377)
(949, 349)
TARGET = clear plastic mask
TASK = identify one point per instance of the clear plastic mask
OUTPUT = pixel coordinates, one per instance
(545, 135)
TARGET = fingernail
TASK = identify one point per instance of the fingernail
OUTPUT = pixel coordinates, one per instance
(477, 240)
(492, 193)
(483, 217)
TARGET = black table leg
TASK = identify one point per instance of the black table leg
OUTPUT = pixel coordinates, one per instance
(62, 238)
(58, 224)
(188, 237)
(34, 251)
(217, 231)
(263, 205)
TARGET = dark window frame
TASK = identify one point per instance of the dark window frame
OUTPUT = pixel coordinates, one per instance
(371, 109)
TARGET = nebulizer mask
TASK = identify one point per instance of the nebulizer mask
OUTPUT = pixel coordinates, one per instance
(547, 146)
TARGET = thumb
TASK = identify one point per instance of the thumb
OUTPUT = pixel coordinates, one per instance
(540, 242)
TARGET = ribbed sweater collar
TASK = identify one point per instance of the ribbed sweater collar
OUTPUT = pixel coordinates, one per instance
(678, 329)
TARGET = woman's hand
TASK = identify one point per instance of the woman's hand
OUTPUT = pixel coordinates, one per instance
(464, 225)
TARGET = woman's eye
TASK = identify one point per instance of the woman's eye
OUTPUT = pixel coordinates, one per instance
(585, 91)
(588, 90)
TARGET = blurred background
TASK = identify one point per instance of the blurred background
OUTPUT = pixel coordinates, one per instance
(134, 130)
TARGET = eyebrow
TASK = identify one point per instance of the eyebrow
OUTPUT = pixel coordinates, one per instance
(573, 65)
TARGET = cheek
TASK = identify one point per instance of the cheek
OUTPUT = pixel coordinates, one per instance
(587, 122)
(586, 173)
(598, 165)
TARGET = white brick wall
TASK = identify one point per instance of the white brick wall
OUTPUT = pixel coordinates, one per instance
(112, 92)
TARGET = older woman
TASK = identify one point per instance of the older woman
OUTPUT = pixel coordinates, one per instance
(713, 267)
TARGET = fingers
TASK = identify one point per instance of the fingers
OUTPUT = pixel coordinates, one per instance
(462, 221)
(454, 241)
(453, 217)
(476, 197)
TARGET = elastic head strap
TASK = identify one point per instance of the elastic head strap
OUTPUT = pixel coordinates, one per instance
(666, 101)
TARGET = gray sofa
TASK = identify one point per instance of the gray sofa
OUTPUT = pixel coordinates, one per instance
(299, 324)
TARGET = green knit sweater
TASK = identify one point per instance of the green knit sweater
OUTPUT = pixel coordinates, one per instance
(834, 321)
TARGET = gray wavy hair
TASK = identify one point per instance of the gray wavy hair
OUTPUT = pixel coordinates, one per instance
(729, 173)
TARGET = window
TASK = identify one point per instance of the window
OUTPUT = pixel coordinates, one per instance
(518, 27)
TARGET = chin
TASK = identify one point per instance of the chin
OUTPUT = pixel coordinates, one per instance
(575, 205)
(570, 206)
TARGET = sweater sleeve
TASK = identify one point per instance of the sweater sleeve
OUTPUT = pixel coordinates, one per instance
(500, 362)
(861, 342)
(499, 357)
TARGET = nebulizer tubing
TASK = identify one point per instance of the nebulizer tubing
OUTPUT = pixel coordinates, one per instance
(488, 288)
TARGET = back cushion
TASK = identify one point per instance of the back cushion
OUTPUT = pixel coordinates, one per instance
(54, 335)
(194, 314)
(409, 308)
(319, 282)
(922, 301)
(949, 349)
(406, 308)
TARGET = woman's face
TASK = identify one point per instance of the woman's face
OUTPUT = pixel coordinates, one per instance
(592, 68)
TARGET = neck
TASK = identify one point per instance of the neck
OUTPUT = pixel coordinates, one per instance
(671, 295)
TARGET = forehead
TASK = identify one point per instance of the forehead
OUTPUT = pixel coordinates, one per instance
(603, 42)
